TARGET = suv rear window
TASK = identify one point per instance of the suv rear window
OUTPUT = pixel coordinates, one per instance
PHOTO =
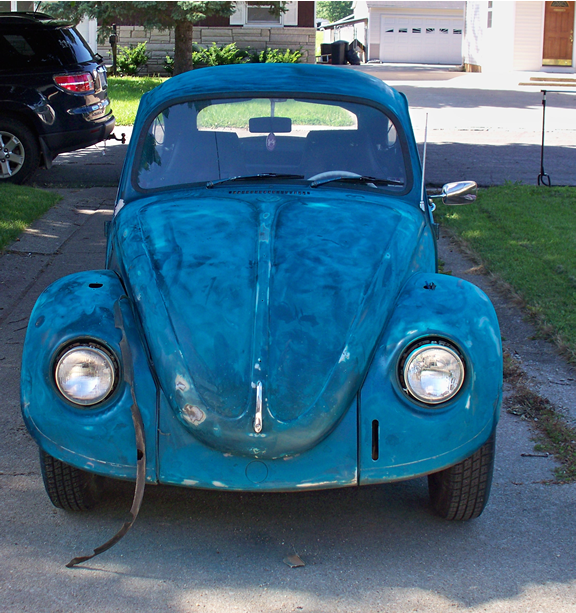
(40, 48)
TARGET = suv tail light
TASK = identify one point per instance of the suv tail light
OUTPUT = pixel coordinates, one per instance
(81, 83)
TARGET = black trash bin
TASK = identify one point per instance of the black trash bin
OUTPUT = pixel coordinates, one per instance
(354, 51)
(339, 49)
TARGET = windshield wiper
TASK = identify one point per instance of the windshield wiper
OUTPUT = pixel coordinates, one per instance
(358, 179)
(263, 175)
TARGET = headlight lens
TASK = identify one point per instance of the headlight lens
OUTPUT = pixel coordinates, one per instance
(85, 375)
(433, 373)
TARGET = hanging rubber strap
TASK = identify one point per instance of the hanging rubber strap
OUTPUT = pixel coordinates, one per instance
(140, 444)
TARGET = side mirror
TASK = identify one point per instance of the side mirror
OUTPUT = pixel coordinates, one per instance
(462, 192)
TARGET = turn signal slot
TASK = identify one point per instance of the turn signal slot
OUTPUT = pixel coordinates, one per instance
(375, 439)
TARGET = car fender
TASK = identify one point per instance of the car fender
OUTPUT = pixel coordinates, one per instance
(28, 104)
(101, 439)
(400, 437)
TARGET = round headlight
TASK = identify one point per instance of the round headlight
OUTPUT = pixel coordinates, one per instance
(433, 373)
(85, 375)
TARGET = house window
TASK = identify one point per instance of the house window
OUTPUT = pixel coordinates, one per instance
(11, 5)
(489, 22)
(258, 13)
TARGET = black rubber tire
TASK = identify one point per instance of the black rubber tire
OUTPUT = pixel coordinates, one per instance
(27, 147)
(69, 488)
(461, 491)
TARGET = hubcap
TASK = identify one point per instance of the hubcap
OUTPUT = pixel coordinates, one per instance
(12, 155)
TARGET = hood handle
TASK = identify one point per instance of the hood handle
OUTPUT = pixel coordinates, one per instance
(258, 415)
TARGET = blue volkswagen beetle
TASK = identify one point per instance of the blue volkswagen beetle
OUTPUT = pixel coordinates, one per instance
(270, 316)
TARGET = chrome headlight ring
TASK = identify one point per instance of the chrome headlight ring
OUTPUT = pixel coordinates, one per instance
(432, 371)
(86, 373)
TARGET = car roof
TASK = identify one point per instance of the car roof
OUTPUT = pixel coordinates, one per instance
(262, 79)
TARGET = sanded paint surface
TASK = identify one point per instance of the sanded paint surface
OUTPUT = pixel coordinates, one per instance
(301, 314)
(77, 308)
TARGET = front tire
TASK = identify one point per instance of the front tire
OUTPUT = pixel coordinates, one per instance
(19, 152)
(461, 491)
(68, 488)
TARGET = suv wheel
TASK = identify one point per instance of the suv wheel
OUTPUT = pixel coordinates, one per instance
(19, 152)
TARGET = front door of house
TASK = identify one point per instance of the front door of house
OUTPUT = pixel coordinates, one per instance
(558, 34)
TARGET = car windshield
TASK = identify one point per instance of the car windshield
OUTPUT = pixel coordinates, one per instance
(207, 141)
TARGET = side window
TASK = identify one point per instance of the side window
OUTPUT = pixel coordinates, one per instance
(16, 52)
(19, 44)
(72, 47)
(34, 48)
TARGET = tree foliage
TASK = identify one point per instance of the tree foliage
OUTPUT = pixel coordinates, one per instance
(151, 15)
(333, 11)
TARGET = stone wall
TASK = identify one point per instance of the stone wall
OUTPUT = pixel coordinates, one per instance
(161, 44)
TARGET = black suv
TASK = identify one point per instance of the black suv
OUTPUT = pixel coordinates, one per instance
(53, 94)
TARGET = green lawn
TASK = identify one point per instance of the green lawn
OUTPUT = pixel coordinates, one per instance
(527, 235)
(19, 207)
(238, 114)
(125, 94)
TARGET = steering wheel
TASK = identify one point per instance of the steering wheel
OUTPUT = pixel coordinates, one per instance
(333, 174)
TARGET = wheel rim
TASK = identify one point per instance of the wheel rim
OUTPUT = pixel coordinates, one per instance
(12, 155)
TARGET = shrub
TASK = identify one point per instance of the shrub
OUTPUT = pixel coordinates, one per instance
(169, 65)
(131, 59)
(280, 56)
(218, 56)
(230, 54)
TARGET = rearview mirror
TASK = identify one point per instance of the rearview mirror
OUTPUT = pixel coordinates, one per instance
(461, 192)
(266, 125)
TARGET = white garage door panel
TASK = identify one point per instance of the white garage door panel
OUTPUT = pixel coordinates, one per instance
(422, 40)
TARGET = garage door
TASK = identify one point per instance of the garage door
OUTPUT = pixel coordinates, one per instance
(421, 40)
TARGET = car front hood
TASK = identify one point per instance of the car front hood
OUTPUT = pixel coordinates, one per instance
(282, 293)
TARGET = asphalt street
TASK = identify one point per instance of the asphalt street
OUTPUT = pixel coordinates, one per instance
(373, 549)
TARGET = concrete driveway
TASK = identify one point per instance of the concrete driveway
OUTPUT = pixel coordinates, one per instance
(374, 549)
(371, 549)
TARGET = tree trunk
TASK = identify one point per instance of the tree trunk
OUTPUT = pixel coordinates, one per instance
(183, 47)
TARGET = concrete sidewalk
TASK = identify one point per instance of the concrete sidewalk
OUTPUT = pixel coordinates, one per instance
(486, 128)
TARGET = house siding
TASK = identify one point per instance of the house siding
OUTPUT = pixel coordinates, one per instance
(528, 35)
(306, 14)
(489, 48)
(473, 35)
(514, 41)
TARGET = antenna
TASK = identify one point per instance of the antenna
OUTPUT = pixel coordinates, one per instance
(422, 203)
